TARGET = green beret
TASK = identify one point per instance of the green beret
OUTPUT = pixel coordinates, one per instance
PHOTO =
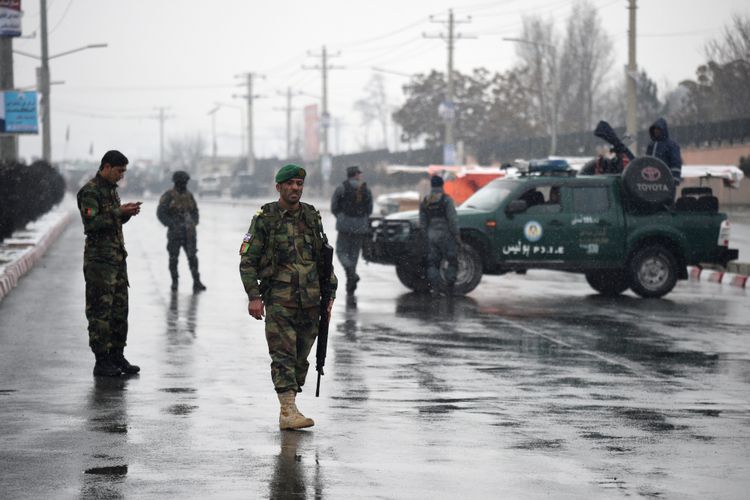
(290, 171)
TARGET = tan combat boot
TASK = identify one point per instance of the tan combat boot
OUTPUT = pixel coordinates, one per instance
(290, 417)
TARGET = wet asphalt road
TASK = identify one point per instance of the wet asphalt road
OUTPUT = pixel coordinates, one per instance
(531, 387)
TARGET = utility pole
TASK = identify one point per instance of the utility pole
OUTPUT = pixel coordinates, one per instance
(288, 110)
(162, 117)
(213, 132)
(8, 143)
(448, 107)
(250, 97)
(44, 87)
(325, 117)
(631, 74)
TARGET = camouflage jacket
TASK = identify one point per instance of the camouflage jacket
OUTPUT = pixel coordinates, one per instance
(280, 256)
(99, 205)
(178, 211)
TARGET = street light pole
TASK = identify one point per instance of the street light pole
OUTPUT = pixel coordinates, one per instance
(8, 143)
(630, 80)
(44, 88)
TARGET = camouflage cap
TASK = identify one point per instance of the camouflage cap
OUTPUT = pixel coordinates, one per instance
(290, 171)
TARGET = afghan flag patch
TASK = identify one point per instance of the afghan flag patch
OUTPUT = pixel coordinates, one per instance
(89, 212)
(246, 243)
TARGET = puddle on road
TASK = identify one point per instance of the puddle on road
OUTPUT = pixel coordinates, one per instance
(181, 409)
(646, 419)
(112, 470)
(539, 444)
(179, 390)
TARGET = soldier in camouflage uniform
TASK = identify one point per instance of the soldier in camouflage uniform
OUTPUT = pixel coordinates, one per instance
(104, 266)
(280, 259)
(178, 211)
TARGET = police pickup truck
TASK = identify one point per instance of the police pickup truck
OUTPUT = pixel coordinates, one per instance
(620, 231)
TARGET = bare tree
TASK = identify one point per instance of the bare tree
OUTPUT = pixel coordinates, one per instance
(185, 152)
(537, 49)
(374, 108)
(734, 44)
(585, 63)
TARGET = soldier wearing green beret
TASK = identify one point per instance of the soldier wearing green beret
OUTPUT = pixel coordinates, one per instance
(280, 263)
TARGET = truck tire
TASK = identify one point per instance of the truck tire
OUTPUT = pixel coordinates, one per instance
(648, 183)
(413, 276)
(611, 282)
(469, 270)
(653, 271)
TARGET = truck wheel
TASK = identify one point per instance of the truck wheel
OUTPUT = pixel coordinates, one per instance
(413, 276)
(609, 282)
(653, 271)
(469, 270)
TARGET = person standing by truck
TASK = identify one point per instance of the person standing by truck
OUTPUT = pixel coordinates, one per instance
(664, 148)
(437, 215)
(352, 205)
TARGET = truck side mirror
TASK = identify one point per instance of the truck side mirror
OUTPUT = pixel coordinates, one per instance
(516, 207)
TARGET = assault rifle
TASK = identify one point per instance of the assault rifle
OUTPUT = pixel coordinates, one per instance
(325, 297)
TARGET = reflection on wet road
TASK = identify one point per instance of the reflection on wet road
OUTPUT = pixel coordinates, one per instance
(531, 387)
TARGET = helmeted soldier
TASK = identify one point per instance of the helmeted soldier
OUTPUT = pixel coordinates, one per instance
(178, 211)
(280, 266)
(104, 267)
(437, 215)
(352, 205)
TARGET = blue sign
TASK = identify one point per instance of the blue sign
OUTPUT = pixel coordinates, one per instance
(18, 112)
(449, 154)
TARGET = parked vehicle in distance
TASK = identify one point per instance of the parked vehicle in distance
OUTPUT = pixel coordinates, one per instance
(209, 185)
(245, 185)
(620, 231)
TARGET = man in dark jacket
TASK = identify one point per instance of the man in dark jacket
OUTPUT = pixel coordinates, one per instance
(437, 215)
(178, 211)
(664, 148)
(104, 265)
(352, 206)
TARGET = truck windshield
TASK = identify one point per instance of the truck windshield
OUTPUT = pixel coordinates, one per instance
(490, 196)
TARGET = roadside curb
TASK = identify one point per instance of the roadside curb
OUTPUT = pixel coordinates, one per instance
(22, 263)
(698, 273)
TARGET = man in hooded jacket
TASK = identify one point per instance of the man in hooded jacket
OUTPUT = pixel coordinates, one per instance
(664, 148)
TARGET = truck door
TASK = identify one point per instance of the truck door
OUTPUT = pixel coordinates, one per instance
(596, 226)
(535, 237)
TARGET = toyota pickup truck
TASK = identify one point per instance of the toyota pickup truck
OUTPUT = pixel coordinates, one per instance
(621, 231)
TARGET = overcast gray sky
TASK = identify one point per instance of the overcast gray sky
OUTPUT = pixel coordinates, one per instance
(184, 55)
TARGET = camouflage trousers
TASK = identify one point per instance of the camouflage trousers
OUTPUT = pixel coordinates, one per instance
(290, 333)
(106, 305)
(188, 242)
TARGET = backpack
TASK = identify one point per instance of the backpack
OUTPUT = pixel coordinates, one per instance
(356, 201)
(435, 209)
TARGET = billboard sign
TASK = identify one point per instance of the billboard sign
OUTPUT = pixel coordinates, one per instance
(312, 136)
(10, 18)
(18, 112)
